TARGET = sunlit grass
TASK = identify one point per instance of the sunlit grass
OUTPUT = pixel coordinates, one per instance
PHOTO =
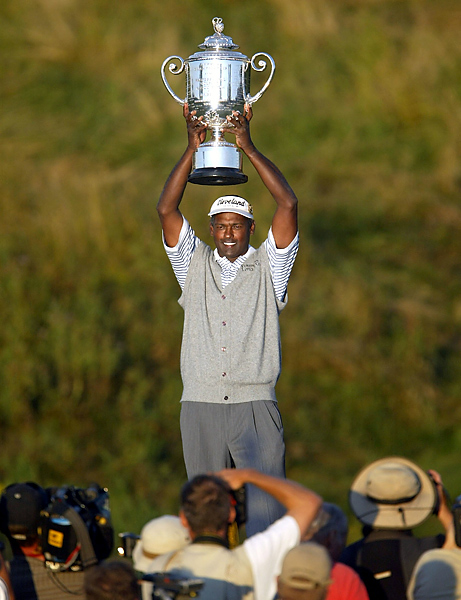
(364, 118)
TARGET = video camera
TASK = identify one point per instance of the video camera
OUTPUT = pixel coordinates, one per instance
(166, 586)
(75, 528)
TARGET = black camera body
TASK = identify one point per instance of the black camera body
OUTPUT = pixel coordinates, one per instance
(75, 528)
(238, 500)
(167, 586)
(457, 520)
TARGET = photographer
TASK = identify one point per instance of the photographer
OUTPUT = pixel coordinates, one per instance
(249, 570)
(25, 510)
(437, 574)
(21, 504)
(391, 497)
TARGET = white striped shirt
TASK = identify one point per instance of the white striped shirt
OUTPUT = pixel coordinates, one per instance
(281, 260)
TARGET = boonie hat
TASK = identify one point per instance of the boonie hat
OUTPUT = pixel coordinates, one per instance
(233, 204)
(307, 567)
(20, 507)
(392, 493)
(159, 536)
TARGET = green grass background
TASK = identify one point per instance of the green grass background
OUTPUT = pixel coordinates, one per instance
(363, 117)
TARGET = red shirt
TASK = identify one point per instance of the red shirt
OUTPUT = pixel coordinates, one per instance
(346, 585)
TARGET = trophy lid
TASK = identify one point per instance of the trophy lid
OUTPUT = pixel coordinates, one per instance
(218, 41)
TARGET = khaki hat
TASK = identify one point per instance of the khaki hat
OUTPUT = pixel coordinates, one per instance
(232, 204)
(307, 567)
(392, 493)
(159, 536)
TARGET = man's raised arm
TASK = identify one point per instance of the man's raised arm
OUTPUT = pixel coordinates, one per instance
(172, 193)
(285, 220)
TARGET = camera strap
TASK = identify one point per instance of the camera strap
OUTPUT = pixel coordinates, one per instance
(87, 555)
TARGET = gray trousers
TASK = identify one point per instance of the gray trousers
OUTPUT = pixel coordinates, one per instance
(249, 434)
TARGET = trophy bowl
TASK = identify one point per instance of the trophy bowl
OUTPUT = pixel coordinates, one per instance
(217, 83)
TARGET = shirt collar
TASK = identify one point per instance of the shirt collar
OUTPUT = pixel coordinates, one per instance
(225, 263)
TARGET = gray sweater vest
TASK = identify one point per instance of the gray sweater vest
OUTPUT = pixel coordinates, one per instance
(231, 349)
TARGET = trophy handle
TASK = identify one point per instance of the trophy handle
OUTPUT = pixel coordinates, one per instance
(175, 70)
(262, 65)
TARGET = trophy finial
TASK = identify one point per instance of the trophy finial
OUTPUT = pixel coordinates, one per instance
(218, 25)
(218, 41)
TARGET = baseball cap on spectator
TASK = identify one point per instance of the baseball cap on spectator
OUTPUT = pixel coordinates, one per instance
(306, 569)
(20, 507)
(159, 536)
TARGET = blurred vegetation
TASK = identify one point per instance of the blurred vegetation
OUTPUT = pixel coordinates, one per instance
(364, 118)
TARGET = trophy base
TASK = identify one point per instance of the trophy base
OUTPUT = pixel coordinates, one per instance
(217, 162)
(217, 176)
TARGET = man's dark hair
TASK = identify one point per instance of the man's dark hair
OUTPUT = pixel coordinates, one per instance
(112, 580)
(205, 501)
(333, 535)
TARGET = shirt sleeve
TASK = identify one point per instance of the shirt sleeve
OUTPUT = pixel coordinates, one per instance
(281, 261)
(181, 254)
(266, 552)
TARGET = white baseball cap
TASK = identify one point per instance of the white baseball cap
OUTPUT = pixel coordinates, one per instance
(232, 204)
(159, 536)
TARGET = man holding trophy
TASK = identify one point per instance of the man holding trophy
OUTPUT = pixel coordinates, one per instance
(232, 296)
(230, 355)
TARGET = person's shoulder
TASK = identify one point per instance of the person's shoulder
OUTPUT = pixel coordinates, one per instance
(261, 253)
(285, 527)
(343, 572)
(350, 552)
(159, 562)
(203, 249)
(443, 555)
(340, 568)
(424, 544)
(346, 584)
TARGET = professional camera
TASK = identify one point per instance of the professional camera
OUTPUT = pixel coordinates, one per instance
(457, 520)
(238, 499)
(127, 543)
(75, 528)
(166, 586)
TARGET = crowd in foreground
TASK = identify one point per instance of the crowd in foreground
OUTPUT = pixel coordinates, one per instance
(302, 556)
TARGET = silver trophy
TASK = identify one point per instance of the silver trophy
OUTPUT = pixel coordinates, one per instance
(217, 82)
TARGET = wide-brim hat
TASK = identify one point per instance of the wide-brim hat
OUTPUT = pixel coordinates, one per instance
(392, 493)
(159, 536)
